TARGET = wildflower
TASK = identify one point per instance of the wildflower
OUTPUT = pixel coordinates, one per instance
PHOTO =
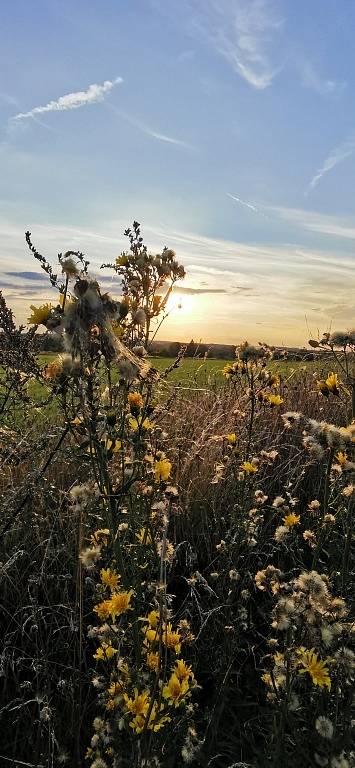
(315, 667)
(313, 446)
(135, 400)
(233, 575)
(139, 704)
(341, 458)
(291, 519)
(166, 550)
(182, 671)
(348, 490)
(268, 578)
(281, 532)
(105, 652)
(122, 527)
(115, 689)
(162, 469)
(139, 317)
(89, 557)
(329, 519)
(122, 260)
(99, 763)
(332, 383)
(175, 690)
(120, 603)
(113, 445)
(327, 635)
(153, 660)
(100, 536)
(309, 537)
(231, 438)
(324, 727)
(248, 467)
(140, 424)
(109, 578)
(103, 609)
(40, 314)
(153, 618)
(313, 506)
(273, 400)
(171, 638)
(313, 582)
(53, 370)
(260, 497)
(69, 267)
(345, 658)
(291, 418)
(144, 536)
(278, 502)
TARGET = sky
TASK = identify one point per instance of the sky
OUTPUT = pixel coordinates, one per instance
(225, 127)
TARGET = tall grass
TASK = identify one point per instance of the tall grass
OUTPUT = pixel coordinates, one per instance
(177, 562)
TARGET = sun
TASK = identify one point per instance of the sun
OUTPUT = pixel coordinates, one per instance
(180, 303)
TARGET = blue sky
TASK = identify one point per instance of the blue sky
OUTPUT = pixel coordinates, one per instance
(226, 127)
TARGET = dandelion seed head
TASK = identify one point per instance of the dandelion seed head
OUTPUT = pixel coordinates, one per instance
(324, 727)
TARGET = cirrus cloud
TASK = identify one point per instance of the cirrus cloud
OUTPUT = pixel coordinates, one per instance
(94, 93)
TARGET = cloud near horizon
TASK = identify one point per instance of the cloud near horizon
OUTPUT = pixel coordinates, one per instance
(252, 284)
(94, 93)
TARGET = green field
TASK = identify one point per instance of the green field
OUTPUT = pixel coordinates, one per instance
(197, 372)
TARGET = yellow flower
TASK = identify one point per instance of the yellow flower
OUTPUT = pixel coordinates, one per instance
(332, 382)
(315, 667)
(140, 423)
(120, 603)
(231, 438)
(171, 638)
(274, 399)
(153, 660)
(139, 705)
(53, 370)
(122, 260)
(182, 671)
(99, 536)
(248, 467)
(113, 445)
(135, 400)
(341, 458)
(150, 635)
(162, 469)
(291, 520)
(144, 536)
(103, 609)
(78, 420)
(157, 720)
(109, 578)
(115, 689)
(40, 314)
(105, 652)
(175, 690)
(152, 619)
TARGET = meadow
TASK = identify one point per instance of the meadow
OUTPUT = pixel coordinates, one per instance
(177, 546)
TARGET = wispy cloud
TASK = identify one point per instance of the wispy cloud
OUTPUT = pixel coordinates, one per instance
(245, 204)
(337, 155)
(284, 276)
(144, 128)
(322, 85)
(314, 221)
(92, 95)
(243, 32)
(244, 35)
